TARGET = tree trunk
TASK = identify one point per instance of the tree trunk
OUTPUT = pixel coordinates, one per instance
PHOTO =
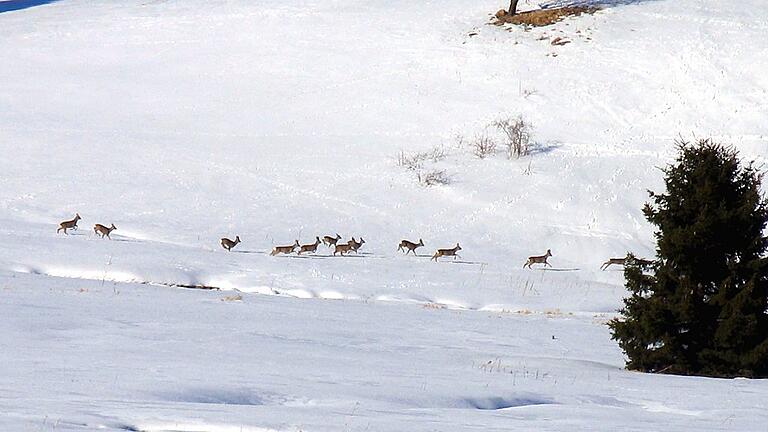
(512, 7)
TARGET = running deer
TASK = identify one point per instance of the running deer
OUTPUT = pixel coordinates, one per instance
(541, 259)
(104, 230)
(310, 247)
(624, 261)
(229, 244)
(356, 244)
(343, 248)
(447, 252)
(285, 249)
(612, 261)
(331, 241)
(409, 246)
(70, 224)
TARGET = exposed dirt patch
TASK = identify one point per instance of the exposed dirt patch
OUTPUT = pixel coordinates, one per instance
(541, 17)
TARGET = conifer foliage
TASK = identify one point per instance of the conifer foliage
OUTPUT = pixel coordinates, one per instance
(701, 308)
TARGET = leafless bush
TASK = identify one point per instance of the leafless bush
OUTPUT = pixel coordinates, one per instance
(482, 146)
(517, 133)
(438, 153)
(459, 141)
(410, 161)
(415, 161)
(434, 177)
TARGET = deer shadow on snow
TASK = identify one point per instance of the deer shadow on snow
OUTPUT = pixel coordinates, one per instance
(543, 148)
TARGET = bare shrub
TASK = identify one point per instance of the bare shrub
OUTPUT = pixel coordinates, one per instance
(438, 153)
(459, 142)
(411, 162)
(482, 146)
(415, 161)
(517, 134)
(434, 177)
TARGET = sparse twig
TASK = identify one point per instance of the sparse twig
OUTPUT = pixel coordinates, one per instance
(482, 146)
(518, 136)
(435, 177)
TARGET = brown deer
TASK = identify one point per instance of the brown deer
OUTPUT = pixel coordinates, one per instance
(624, 261)
(331, 241)
(541, 259)
(70, 224)
(284, 249)
(104, 230)
(229, 244)
(310, 247)
(343, 248)
(356, 244)
(612, 261)
(409, 246)
(447, 252)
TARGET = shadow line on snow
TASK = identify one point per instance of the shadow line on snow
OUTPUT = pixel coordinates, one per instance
(537, 148)
(596, 3)
(559, 269)
(467, 262)
(125, 239)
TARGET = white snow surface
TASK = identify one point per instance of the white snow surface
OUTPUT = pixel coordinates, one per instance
(182, 122)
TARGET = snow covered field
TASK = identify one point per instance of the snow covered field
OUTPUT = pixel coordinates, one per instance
(185, 121)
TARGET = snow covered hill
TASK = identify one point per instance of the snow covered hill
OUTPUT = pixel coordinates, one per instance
(182, 122)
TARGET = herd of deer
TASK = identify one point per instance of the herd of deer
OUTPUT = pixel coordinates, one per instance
(342, 248)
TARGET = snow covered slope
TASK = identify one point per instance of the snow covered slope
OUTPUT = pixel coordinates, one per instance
(185, 121)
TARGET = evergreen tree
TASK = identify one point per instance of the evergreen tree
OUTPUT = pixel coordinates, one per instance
(702, 306)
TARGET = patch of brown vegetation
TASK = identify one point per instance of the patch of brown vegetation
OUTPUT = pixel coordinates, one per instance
(541, 17)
